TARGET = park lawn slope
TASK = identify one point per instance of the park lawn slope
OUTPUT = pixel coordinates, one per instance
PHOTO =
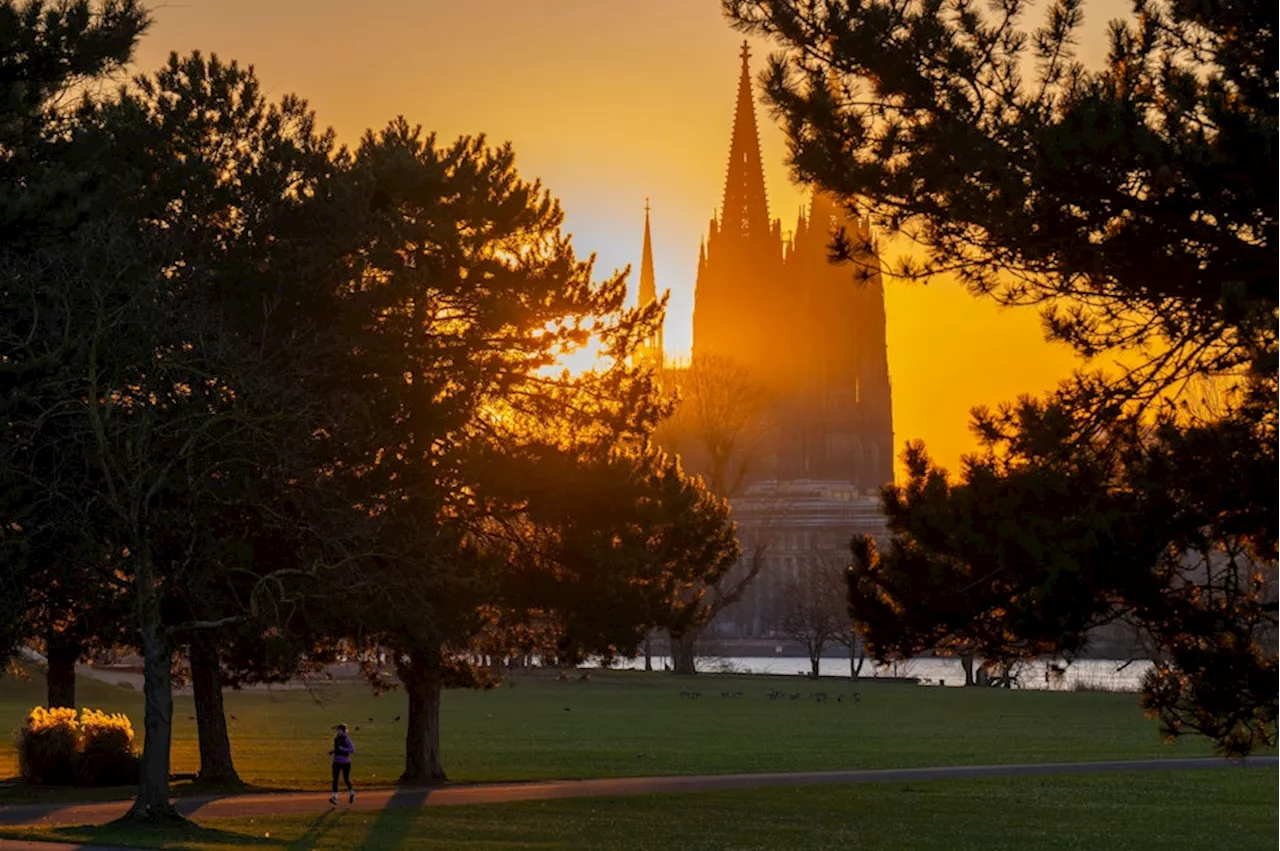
(619, 724)
(1231, 808)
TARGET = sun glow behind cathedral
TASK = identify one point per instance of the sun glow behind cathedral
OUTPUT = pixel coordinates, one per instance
(812, 332)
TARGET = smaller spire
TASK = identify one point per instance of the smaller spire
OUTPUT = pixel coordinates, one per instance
(648, 283)
(652, 349)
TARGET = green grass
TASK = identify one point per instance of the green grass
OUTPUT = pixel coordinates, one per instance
(631, 723)
(1229, 808)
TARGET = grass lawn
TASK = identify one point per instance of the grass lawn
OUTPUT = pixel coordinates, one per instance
(1231, 808)
(632, 723)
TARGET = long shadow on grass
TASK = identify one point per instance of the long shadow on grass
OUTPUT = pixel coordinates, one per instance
(184, 838)
(319, 826)
(390, 829)
(53, 798)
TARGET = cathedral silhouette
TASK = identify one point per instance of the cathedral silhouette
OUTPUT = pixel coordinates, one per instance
(811, 331)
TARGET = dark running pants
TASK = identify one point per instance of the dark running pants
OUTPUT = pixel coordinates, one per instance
(343, 768)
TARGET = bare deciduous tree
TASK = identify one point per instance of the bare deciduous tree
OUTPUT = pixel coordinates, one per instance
(814, 611)
(720, 428)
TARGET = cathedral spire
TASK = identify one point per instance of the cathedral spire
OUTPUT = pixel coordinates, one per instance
(648, 286)
(746, 206)
(652, 349)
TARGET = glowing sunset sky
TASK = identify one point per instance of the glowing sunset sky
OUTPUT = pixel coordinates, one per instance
(609, 103)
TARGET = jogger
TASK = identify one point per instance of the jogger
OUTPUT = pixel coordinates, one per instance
(343, 748)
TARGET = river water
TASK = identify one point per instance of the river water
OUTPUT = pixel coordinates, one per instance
(1096, 674)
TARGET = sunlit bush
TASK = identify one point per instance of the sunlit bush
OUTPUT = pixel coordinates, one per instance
(107, 753)
(55, 747)
(48, 747)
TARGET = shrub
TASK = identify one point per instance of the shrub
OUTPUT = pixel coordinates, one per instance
(108, 756)
(48, 747)
(57, 748)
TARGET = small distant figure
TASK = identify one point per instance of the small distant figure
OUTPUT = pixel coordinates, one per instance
(343, 748)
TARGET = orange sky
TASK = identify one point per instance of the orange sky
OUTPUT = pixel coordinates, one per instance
(609, 103)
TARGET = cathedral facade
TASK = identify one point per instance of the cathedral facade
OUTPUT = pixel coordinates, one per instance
(813, 332)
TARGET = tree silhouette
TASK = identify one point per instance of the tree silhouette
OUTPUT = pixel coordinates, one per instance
(814, 611)
(48, 50)
(463, 293)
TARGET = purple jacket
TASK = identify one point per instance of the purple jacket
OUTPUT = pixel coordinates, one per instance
(342, 749)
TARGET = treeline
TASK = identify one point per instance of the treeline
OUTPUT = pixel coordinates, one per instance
(267, 398)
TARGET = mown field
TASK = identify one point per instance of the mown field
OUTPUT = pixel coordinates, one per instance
(1228, 809)
(632, 723)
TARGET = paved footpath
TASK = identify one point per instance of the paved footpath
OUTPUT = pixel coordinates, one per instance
(295, 803)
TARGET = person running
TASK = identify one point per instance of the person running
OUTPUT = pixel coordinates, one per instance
(342, 751)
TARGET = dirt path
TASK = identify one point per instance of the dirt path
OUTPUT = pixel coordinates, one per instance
(496, 793)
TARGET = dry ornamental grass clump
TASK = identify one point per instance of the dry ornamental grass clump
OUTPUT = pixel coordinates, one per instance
(48, 747)
(57, 748)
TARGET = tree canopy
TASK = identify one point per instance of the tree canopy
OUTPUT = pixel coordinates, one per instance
(265, 396)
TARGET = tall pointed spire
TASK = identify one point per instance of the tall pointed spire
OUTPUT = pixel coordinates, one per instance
(652, 349)
(648, 286)
(746, 206)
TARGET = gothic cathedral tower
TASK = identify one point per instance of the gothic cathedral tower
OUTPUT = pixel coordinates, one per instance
(735, 296)
(812, 331)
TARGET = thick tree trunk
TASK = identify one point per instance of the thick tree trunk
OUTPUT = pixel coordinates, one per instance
(682, 653)
(152, 805)
(211, 720)
(62, 656)
(422, 682)
(815, 662)
(966, 662)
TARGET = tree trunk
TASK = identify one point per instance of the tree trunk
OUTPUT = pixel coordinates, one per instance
(815, 660)
(61, 656)
(855, 660)
(152, 805)
(211, 720)
(421, 678)
(648, 653)
(682, 651)
(966, 662)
